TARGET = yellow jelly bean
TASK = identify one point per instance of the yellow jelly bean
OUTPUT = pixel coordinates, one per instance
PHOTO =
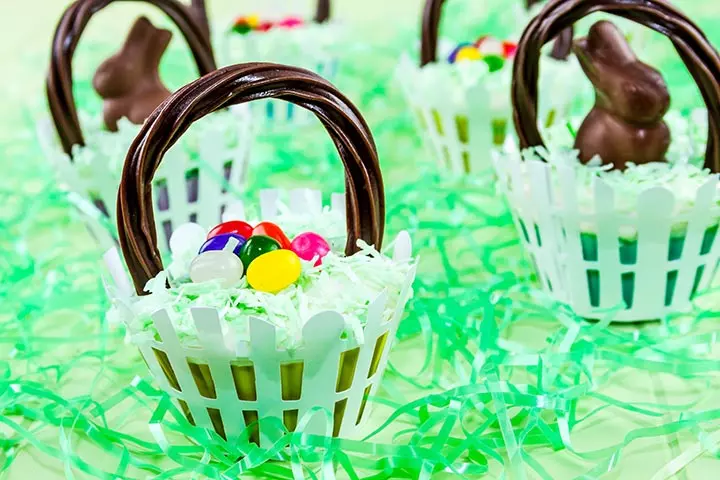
(252, 20)
(468, 53)
(274, 271)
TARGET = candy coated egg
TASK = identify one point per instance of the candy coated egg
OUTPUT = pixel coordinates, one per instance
(489, 46)
(256, 246)
(509, 49)
(309, 245)
(274, 271)
(467, 54)
(217, 265)
(271, 230)
(252, 20)
(188, 237)
(494, 62)
(231, 242)
(238, 227)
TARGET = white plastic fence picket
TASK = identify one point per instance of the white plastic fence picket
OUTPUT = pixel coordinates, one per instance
(601, 261)
(458, 121)
(185, 188)
(335, 373)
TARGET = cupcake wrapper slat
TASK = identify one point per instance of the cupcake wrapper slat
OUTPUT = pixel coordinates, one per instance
(635, 267)
(220, 378)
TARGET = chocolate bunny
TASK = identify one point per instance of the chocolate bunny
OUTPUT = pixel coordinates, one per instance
(631, 98)
(129, 81)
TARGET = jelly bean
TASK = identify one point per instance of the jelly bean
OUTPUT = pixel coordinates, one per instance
(453, 55)
(227, 241)
(187, 238)
(509, 49)
(309, 245)
(494, 62)
(217, 265)
(256, 246)
(489, 46)
(274, 271)
(467, 54)
(271, 230)
(290, 22)
(239, 227)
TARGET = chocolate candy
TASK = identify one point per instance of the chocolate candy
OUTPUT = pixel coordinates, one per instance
(631, 98)
(234, 85)
(218, 265)
(239, 227)
(271, 230)
(697, 53)
(129, 81)
(310, 245)
(256, 246)
(67, 35)
(274, 271)
(431, 26)
(227, 241)
(186, 238)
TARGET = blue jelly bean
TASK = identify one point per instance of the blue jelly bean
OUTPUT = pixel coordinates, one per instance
(220, 242)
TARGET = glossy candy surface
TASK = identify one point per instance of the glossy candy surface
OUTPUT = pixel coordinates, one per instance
(271, 230)
(217, 265)
(188, 237)
(226, 241)
(256, 246)
(239, 227)
(274, 271)
(309, 245)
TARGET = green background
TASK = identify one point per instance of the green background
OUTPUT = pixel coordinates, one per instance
(61, 329)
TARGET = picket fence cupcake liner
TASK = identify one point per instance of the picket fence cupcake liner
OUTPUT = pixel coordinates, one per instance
(310, 44)
(235, 355)
(206, 169)
(463, 108)
(631, 245)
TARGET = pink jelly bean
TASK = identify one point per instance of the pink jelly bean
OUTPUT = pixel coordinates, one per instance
(309, 245)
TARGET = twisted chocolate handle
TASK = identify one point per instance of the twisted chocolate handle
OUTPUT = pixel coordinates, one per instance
(365, 198)
(698, 54)
(67, 35)
(430, 31)
(322, 12)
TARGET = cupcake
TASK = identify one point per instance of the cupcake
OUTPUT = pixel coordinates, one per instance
(89, 154)
(619, 223)
(274, 315)
(288, 39)
(458, 92)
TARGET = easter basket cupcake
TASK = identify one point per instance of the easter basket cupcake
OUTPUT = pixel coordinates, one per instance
(615, 226)
(88, 151)
(459, 95)
(291, 40)
(309, 327)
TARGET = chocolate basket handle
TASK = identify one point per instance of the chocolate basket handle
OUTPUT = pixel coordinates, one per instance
(698, 54)
(322, 12)
(67, 35)
(233, 85)
(430, 31)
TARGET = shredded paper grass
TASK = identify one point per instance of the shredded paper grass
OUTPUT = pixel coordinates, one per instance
(489, 376)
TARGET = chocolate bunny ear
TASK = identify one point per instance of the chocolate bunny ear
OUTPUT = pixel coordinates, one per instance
(604, 43)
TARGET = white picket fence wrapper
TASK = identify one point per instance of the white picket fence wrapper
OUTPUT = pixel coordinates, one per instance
(604, 262)
(457, 119)
(307, 46)
(230, 405)
(178, 200)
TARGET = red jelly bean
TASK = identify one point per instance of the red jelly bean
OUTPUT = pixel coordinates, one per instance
(237, 227)
(271, 230)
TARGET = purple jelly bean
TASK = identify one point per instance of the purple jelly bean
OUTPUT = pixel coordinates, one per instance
(220, 242)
